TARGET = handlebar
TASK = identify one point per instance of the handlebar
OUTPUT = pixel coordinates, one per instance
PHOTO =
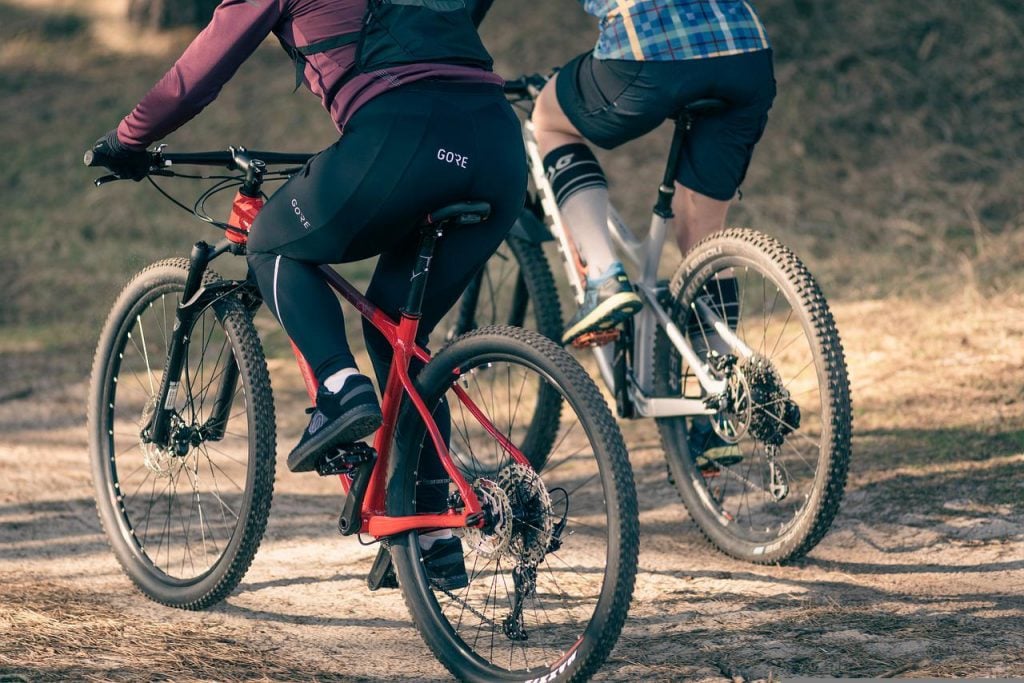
(230, 158)
(235, 158)
(252, 164)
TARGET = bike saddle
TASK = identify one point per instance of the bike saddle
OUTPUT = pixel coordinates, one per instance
(703, 107)
(463, 213)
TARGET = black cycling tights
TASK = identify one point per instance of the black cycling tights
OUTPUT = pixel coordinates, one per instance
(404, 154)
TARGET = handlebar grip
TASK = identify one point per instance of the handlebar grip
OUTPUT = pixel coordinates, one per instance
(96, 158)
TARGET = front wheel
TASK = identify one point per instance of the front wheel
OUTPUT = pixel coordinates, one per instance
(550, 577)
(764, 475)
(184, 520)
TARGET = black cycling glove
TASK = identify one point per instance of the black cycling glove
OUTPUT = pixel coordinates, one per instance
(127, 163)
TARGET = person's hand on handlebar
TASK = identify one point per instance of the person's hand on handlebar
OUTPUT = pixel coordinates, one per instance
(124, 162)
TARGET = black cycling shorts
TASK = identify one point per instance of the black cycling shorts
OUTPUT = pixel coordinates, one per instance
(406, 153)
(613, 101)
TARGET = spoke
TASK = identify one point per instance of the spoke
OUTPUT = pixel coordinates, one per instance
(782, 332)
(220, 452)
(549, 470)
(586, 481)
(145, 353)
(464, 433)
(802, 370)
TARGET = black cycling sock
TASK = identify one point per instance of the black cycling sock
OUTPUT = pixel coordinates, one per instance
(571, 168)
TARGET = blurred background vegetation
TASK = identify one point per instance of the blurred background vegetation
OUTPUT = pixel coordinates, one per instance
(892, 161)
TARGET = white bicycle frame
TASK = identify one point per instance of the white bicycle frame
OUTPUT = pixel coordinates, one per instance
(645, 255)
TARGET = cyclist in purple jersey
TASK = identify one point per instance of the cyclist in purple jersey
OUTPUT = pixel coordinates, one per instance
(652, 58)
(365, 195)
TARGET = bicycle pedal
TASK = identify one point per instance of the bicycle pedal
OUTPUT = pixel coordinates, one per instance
(345, 458)
(382, 573)
(597, 338)
(350, 521)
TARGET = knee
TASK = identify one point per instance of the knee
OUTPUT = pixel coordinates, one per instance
(259, 262)
(544, 113)
(551, 126)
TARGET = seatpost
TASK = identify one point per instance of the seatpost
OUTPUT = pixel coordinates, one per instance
(663, 207)
(421, 271)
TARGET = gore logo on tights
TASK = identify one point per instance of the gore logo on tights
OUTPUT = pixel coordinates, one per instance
(297, 210)
(452, 158)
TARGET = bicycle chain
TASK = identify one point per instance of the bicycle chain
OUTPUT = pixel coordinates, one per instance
(739, 477)
(480, 615)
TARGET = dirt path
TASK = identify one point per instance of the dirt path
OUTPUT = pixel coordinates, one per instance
(922, 574)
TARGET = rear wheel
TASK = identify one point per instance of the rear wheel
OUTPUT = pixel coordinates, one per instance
(183, 521)
(514, 288)
(551, 574)
(764, 475)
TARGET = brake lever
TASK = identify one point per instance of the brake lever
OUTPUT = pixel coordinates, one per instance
(99, 182)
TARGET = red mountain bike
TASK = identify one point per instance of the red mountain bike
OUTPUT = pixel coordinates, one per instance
(182, 447)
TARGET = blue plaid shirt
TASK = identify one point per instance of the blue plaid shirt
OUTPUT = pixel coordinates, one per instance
(669, 30)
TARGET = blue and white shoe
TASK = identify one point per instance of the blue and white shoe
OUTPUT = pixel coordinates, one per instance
(609, 300)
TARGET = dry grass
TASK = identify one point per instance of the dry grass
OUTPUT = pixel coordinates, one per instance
(890, 161)
(53, 631)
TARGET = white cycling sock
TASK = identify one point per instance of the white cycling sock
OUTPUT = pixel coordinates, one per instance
(581, 192)
(335, 382)
(586, 216)
(429, 538)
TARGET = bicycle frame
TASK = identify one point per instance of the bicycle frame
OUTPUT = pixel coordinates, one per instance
(645, 254)
(400, 334)
(402, 337)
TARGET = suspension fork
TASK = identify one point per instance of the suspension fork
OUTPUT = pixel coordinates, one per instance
(216, 424)
(158, 430)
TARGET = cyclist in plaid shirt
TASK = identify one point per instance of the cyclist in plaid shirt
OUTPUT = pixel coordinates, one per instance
(669, 31)
(652, 58)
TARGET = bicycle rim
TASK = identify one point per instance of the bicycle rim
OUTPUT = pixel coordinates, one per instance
(550, 579)
(764, 475)
(185, 522)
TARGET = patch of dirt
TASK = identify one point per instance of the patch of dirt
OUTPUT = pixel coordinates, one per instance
(921, 574)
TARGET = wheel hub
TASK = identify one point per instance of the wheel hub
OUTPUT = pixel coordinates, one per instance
(771, 413)
(532, 520)
(160, 460)
(492, 540)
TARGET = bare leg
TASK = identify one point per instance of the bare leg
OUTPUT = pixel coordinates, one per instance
(551, 126)
(697, 216)
(585, 213)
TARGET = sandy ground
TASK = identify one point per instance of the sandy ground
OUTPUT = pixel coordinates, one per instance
(922, 573)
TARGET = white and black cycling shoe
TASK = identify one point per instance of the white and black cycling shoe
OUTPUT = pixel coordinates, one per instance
(350, 414)
(444, 561)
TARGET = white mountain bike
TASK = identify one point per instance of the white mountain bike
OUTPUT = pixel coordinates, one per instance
(762, 377)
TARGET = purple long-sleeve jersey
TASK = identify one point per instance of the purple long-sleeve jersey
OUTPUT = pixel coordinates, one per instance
(237, 29)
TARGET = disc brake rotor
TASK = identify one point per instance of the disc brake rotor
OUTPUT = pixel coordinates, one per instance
(493, 540)
(532, 519)
(157, 460)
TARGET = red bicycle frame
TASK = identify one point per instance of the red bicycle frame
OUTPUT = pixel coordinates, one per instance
(402, 337)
